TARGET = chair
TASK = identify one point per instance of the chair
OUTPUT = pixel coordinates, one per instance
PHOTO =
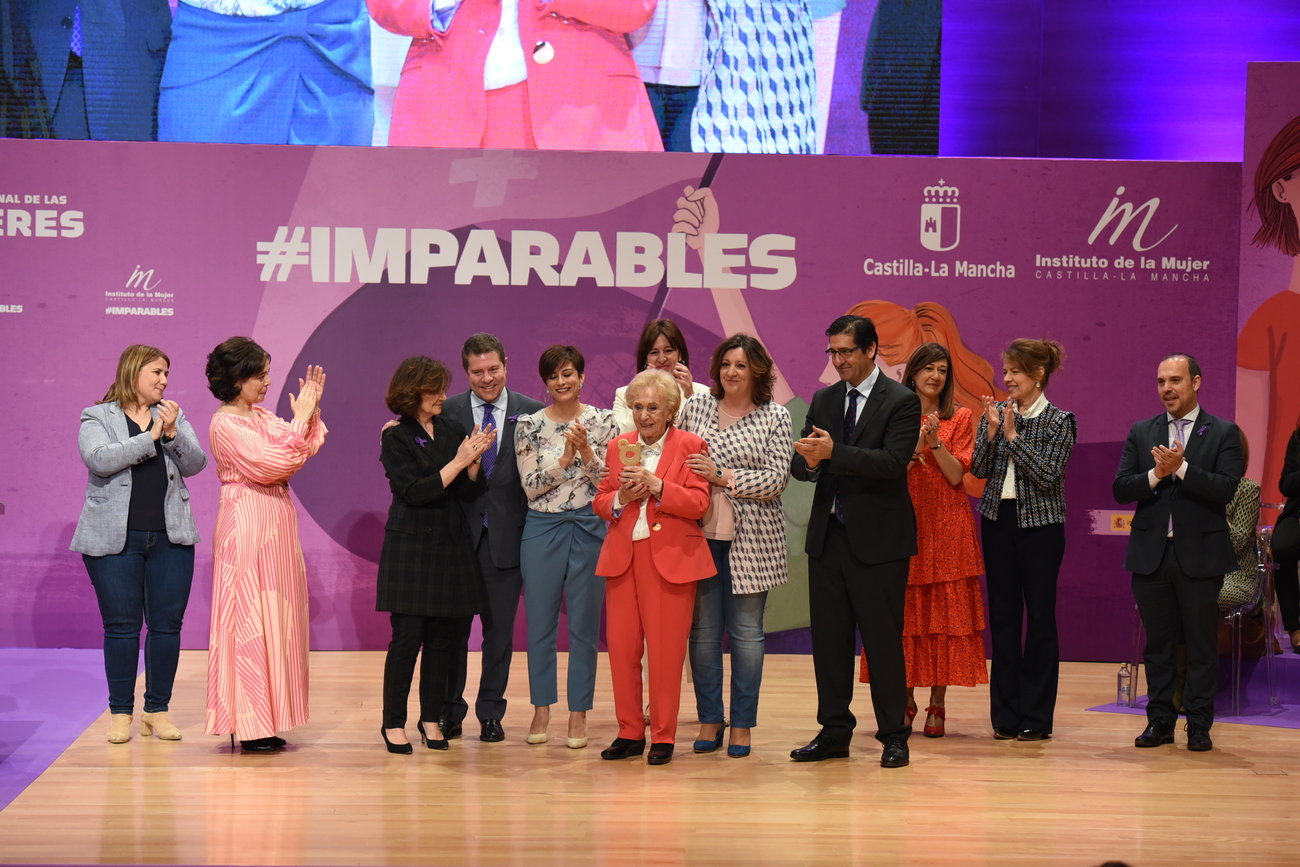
(1261, 602)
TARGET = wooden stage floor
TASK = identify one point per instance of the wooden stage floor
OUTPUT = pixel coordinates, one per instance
(337, 797)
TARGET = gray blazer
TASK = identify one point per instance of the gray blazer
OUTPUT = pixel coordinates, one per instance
(109, 455)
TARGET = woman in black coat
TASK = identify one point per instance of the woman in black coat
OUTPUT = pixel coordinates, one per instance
(428, 573)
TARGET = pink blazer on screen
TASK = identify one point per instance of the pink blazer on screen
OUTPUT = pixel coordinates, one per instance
(587, 95)
(677, 543)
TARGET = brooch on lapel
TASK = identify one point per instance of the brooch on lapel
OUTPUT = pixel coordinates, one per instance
(512, 418)
(421, 441)
(1201, 432)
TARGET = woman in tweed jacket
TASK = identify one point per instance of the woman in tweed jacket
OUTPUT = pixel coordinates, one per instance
(1021, 448)
(747, 466)
(429, 579)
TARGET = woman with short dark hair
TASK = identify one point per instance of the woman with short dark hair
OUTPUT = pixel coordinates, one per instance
(136, 533)
(560, 450)
(257, 656)
(429, 577)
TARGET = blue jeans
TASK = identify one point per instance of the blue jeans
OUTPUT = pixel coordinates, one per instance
(149, 582)
(716, 609)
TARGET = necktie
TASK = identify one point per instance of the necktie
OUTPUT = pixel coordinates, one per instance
(851, 415)
(1180, 427)
(490, 455)
(1180, 424)
(850, 422)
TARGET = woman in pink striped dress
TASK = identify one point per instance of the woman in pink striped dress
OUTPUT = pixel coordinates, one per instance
(257, 657)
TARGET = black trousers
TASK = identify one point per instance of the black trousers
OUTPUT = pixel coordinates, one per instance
(1286, 554)
(1173, 607)
(500, 606)
(442, 639)
(846, 595)
(1022, 566)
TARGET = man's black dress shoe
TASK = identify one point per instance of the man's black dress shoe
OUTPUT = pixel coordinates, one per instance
(660, 754)
(622, 748)
(1032, 735)
(896, 754)
(1000, 734)
(822, 747)
(450, 730)
(492, 731)
(1156, 734)
(1198, 738)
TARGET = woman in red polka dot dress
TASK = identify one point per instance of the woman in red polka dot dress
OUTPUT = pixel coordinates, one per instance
(944, 616)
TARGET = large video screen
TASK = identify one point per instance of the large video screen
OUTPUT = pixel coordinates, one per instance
(716, 76)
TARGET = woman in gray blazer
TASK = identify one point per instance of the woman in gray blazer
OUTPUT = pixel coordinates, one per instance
(136, 533)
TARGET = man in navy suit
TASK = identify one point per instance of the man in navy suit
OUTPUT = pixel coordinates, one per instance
(100, 64)
(496, 521)
(1181, 468)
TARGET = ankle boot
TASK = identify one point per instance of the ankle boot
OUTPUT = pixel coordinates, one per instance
(119, 728)
(160, 723)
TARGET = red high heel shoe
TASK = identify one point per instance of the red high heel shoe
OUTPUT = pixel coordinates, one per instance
(934, 731)
(909, 714)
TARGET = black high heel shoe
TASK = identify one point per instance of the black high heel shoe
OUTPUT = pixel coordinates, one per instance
(428, 741)
(400, 749)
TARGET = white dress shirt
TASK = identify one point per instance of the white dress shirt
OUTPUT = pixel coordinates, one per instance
(505, 63)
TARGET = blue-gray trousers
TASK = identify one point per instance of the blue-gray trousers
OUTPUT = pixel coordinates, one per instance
(558, 557)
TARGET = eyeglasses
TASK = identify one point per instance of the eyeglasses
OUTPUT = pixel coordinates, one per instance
(843, 353)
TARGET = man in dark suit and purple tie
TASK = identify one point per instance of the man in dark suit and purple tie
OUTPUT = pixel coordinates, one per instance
(856, 445)
(496, 522)
(1181, 468)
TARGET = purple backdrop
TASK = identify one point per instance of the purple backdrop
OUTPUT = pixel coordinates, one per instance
(194, 216)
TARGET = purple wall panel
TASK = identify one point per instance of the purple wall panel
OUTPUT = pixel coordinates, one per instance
(196, 214)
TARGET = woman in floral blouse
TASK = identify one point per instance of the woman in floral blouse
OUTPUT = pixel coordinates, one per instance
(561, 451)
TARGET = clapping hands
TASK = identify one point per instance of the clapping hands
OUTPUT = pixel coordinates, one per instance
(309, 393)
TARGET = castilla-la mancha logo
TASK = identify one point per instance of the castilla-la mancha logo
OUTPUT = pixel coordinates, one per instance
(940, 218)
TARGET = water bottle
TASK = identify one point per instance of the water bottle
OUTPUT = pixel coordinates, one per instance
(1124, 686)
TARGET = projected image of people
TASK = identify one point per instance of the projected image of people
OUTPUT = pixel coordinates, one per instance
(759, 88)
(268, 72)
(520, 74)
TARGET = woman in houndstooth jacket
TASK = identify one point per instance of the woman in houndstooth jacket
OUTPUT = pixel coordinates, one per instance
(747, 466)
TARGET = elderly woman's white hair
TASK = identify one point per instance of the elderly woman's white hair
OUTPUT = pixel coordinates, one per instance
(657, 380)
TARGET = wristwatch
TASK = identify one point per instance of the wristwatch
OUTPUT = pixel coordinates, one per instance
(718, 472)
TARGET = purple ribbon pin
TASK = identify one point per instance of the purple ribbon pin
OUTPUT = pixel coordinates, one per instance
(1201, 432)
(421, 441)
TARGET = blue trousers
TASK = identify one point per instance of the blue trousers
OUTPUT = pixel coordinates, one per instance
(148, 583)
(558, 557)
(299, 77)
(719, 610)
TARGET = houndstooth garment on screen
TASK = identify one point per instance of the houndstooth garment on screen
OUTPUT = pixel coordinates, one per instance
(757, 449)
(759, 89)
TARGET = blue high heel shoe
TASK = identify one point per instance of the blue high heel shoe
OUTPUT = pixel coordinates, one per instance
(736, 751)
(711, 746)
